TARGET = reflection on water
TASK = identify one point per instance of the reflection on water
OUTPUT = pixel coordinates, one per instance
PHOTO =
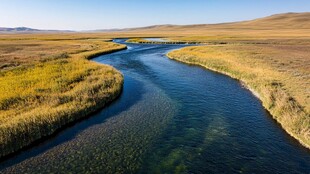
(170, 118)
(156, 39)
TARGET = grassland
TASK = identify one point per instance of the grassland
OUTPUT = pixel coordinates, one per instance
(47, 82)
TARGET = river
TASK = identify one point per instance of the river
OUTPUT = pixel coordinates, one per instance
(170, 118)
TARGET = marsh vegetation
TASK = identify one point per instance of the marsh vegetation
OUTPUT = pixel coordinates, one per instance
(47, 84)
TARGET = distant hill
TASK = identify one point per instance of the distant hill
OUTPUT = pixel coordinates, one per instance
(28, 30)
(274, 22)
(286, 20)
(18, 29)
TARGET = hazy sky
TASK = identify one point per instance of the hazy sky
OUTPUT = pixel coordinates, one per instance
(105, 14)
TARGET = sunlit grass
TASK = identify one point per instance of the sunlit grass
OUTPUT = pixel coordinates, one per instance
(52, 84)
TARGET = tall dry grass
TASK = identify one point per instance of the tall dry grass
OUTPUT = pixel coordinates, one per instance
(52, 85)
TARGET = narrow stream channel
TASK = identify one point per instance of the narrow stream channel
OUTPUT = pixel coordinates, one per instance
(170, 118)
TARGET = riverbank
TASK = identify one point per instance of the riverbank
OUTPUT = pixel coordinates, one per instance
(47, 84)
(144, 41)
(267, 70)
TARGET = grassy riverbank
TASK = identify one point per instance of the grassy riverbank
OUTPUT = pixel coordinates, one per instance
(270, 55)
(144, 41)
(48, 83)
(277, 73)
(275, 68)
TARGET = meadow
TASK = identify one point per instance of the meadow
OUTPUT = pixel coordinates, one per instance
(47, 83)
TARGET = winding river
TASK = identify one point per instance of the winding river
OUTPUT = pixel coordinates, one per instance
(170, 118)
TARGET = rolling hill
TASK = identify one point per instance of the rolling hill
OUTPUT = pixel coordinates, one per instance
(285, 21)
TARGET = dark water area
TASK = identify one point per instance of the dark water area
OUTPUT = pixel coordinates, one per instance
(170, 118)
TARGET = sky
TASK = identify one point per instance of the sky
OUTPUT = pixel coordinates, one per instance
(109, 14)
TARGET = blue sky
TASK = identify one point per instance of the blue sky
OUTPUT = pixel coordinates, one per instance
(106, 14)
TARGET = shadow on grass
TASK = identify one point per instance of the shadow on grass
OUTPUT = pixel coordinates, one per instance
(131, 94)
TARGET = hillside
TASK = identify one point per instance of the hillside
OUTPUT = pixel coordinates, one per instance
(287, 24)
(285, 20)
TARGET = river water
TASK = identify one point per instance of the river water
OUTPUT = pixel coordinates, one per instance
(170, 118)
